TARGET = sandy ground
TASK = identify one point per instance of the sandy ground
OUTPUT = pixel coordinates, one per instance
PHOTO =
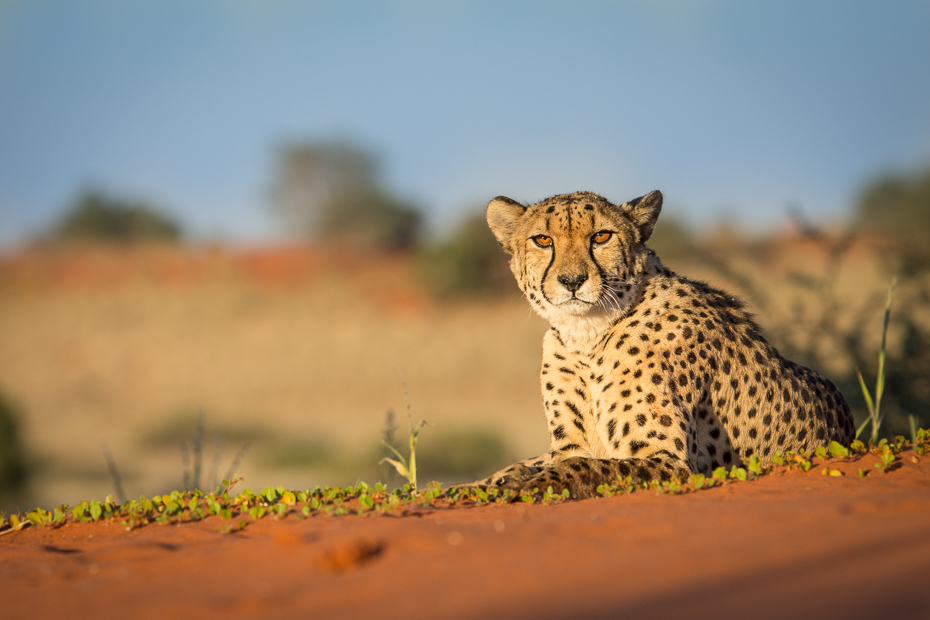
(792, 545)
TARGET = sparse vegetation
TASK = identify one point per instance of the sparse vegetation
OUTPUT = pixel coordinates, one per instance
(406, 466)
(363, 499)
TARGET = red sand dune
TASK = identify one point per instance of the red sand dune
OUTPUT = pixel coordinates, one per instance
(798, 545)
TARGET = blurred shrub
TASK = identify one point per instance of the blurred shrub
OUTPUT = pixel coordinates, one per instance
(100, 218)
(462, 455)
(298, 454)
(332, 191)
(898, 206)
(12, 462)
(671, 238)
(469, 262)
(180, 427)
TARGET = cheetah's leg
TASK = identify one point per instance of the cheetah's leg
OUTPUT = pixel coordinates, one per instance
(512, 474)
(582, 475)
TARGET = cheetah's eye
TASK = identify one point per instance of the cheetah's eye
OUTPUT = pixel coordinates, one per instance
(602, 236)
(542, 241)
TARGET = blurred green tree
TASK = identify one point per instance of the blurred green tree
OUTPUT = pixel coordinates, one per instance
(98, 217)
(332, 191)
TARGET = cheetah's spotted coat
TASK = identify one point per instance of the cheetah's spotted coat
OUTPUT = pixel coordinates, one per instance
(645, 373)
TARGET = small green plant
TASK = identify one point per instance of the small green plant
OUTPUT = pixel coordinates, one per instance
(875, 406)
(921, 439)
(738, 473)
(886, 455)
(838, 451)
(407, 467)
(754, 465)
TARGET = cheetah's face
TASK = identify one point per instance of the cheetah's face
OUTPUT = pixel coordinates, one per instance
(576, 254)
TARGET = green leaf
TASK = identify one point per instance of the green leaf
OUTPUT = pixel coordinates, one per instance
(396, 453)
(96, 509)
(867, 395)
(399, 466)
(838, 450)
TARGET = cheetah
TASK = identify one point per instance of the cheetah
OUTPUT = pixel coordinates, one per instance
(646, 373)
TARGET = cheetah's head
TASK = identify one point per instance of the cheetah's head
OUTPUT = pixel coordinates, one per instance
(576, 255)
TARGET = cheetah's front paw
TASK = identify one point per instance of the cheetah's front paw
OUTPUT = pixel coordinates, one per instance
(514, 477)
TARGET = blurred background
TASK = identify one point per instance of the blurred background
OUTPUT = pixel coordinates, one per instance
(248, 236)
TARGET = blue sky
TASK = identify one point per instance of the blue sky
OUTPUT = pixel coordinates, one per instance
(732, 108)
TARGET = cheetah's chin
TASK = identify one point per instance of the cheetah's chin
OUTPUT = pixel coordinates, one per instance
(576, 307)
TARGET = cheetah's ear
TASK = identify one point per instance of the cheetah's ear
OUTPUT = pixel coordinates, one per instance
(503, 215)
(643, 212)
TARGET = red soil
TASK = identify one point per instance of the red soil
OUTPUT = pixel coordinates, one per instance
(792, 545)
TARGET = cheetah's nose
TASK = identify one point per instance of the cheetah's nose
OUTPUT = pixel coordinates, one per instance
(572, 283)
